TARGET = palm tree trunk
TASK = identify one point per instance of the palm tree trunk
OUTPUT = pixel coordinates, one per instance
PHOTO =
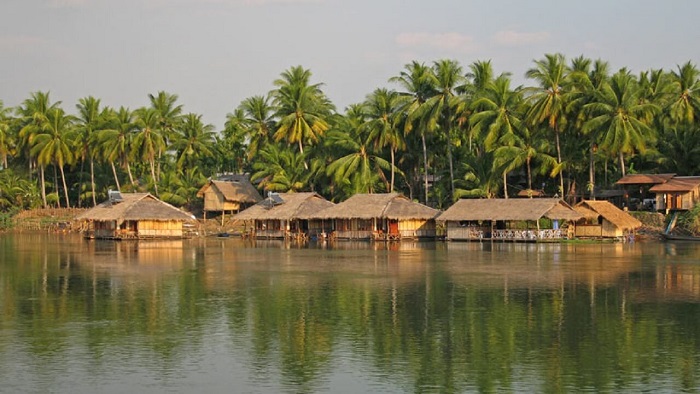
(561, 173)
(43, 185)
(131, 177)
(116, 178)
(505, 184)
(391, 188)
(55, 185)
(65, 187)
(301, 151)
(92, 181)
(452, 174)
(591, 176)
(529, 176)
(153, 175)
(425, 167)
(622, 164)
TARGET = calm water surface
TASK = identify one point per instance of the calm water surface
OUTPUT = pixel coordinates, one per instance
(224, 315)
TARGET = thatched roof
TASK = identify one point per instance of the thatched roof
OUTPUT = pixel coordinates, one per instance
(378, 206)
(644, 179)
(594, 209)
(237, 190)
(292, 206)
(679, 184)
(135, 206)
(509, 209)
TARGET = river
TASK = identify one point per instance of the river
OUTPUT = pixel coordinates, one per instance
(226, 315)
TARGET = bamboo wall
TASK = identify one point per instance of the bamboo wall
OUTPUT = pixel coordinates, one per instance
(215, 201)
(159, 229)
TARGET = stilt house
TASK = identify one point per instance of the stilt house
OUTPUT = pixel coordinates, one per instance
(514, 219)
(383, 216)
(135, 216)
(231, 193)
(601, 219)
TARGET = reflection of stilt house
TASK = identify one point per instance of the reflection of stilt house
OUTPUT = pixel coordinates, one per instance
(514, 219)
(380, 216)
(135, 216)
(230, 194)
(601, 219)
(284, 216)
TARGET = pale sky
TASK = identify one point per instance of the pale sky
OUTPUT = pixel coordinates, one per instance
(215, 53)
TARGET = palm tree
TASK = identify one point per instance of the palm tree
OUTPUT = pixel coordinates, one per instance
(548, 100)
(524, 148)
(5, 140)
(439, 110)
(281, 170)
(358, 170)
(90, 122)
(499, 112)
(685, 107)
(55, 143)
(149, 143)
(302, 109)
(383, 110)
(257, 122)
(116, 141)
(168, 113)
(34, 114)
(192, 141)
(479, 179)
(415, 79)
(618, 117)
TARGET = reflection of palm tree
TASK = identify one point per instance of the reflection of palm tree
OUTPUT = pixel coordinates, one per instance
(383, 109)
(55, 144)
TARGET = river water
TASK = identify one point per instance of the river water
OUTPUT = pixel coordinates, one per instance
(226, 315)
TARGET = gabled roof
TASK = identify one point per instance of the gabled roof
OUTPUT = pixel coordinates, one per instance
(236, 190)
(677, 184)
(377, 206)
(621, 219)
(644, 179)
(135, 206)
(509, 209)
(293, 206)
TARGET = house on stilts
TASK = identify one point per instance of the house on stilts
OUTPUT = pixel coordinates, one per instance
(601, 219)
(136, 216)
(285, 216)
(514, 219)
(230, 193)
(381, 216)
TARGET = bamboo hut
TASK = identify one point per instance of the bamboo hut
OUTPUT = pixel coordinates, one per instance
(285, 216)
(232, 194)
(135, 216)
(601, 219)
(515, 219)
(385, 216)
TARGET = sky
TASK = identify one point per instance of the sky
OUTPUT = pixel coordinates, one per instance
(214, 54)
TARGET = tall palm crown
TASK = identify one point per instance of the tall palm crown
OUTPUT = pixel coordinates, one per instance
(685, 107)
(55, 143)
(302, 108)
(500, 112)
(383, 111)
(192, 141)
(617, 117)
(257, 122)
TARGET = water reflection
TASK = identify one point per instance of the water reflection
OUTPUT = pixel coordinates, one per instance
(217, 314)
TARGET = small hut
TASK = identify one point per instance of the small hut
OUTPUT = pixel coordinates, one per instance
(514, 219)
(231, 193)
(285, 216)
(601, 219)
(135, 216)
(383, 216)
(679, 193)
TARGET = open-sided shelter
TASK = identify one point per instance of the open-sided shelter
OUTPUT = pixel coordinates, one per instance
(284, 216)
(380, 216)
(231, 193)
(135, 216)
(601, 219)
(509, 219)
